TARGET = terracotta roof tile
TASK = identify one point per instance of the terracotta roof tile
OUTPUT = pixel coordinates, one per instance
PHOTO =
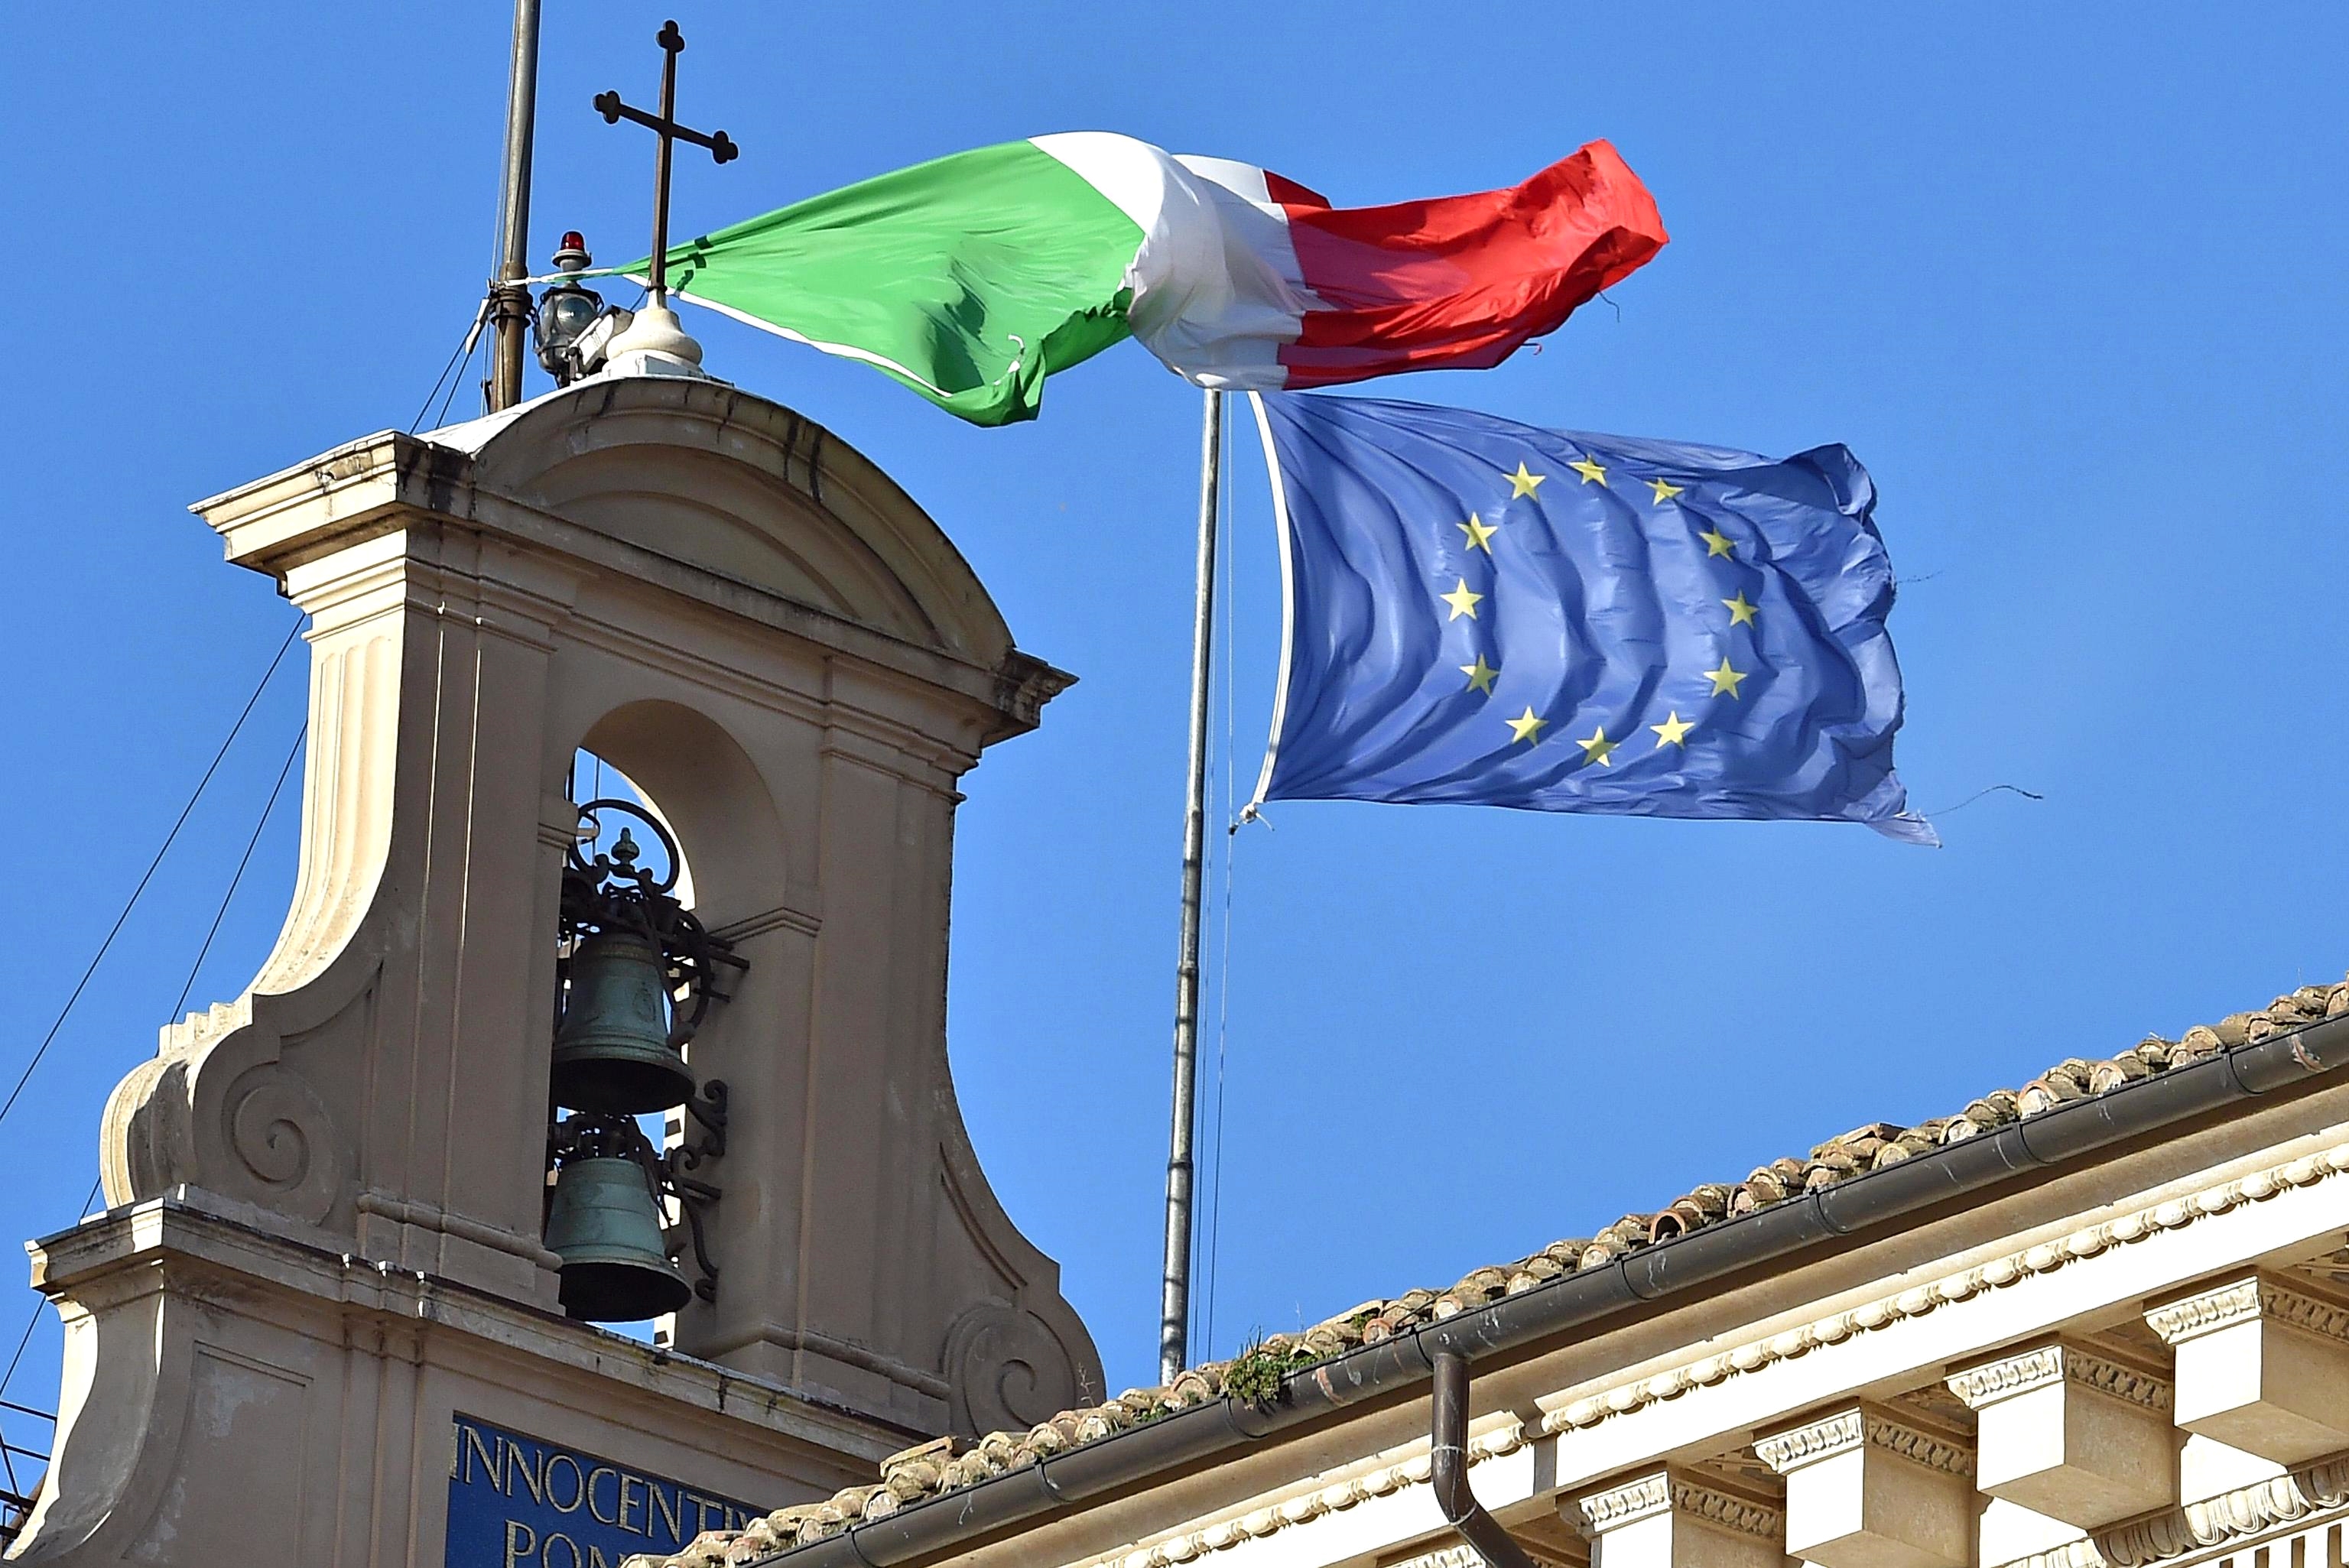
(948, 1464)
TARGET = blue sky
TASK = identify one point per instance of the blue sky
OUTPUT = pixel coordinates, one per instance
(2067, 279)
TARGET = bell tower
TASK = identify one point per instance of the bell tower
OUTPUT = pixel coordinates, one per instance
(329, 1199)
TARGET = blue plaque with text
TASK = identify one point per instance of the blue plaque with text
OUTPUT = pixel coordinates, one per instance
(515, 1501)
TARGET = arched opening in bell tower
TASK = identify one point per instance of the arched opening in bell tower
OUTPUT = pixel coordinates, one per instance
(637, 1115)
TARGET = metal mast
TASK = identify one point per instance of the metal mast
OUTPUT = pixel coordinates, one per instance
(510, 312)
(1174, 1324)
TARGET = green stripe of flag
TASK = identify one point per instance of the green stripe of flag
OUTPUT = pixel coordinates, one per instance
(969, 278)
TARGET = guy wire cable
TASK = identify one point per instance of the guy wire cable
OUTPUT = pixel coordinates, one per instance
(220, 915)
(268, 809)
(24, 1339)
(1224, 941)
(464, 351)
(149, 875)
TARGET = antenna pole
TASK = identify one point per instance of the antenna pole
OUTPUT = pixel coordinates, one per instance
(1174, 1317)
(510, 312)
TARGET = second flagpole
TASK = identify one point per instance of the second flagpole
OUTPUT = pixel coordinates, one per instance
(1173, 1325)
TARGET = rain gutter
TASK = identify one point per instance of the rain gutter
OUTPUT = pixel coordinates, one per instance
(1588, 1301)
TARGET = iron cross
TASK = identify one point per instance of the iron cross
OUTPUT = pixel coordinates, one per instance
(667, 133)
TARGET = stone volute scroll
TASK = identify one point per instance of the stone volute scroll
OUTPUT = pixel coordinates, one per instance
(757, 628)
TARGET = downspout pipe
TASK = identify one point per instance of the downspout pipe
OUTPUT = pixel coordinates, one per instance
(1587, 1301)
(1447, 1466)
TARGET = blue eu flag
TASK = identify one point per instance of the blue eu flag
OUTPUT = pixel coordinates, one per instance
(1483, 613)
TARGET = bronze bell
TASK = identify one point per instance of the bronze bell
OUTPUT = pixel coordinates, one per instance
(604, 1224)
(613, 1052)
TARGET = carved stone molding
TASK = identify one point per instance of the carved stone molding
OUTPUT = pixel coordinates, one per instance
(2071, 1554)
(1007, 1370)
(1866, 1488)
(1935, 1295)
(1838, 1433)
(1671, 1491)
(1848, 1429)
(1619, 1506)
(284, 1136)
(1725, 1512)
(1225, 1530)
(1444, 1557)
(2046, 1365)
(2070, 1434)
(2238, 1301)
(2261, 1365)
(2231, 1516)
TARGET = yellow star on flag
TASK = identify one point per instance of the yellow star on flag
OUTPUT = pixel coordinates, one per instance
(1590, 472)
(1463, 601)
(1597, 747)
(1526, 727)
(1716, 543)
(1480, 533)
(1740, 614)
(1664, 489)
(1480, 676)
(1522, 483)
(1673, 731)
(1724, 679)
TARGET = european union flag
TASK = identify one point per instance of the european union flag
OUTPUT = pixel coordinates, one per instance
(1483, 613)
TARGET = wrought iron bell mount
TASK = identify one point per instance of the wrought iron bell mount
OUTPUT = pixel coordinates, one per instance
(637, 977)
(637, 972)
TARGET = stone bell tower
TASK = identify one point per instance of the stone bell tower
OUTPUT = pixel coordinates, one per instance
(320, 1308)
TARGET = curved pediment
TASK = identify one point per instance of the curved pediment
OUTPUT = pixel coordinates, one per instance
(726, 481)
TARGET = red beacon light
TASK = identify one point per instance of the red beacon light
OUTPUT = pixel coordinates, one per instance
(566, 312)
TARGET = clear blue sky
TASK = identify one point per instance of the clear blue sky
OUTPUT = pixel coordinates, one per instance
(2067, 279)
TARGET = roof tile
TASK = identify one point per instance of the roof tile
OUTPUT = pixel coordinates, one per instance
(948, 1464)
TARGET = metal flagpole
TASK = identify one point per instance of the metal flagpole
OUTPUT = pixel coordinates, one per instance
(1173, 1325)
(511, 310)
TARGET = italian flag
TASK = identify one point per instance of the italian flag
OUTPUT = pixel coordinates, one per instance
(971, 278)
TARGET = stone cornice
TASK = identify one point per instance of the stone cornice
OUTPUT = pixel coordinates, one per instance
(1848, 1429)
(1782, 1451)
(2230, 1516)
(1725, 1510)
(2047, 1363)
(1920, 1447)
(2071, 1554)
(1225, 1530)
(1668, 1491)
(2215, 1521)
(1998, 1274)
(1444, 1557)
(1621, 1505)
(2239, 1301)
(2004, 1378)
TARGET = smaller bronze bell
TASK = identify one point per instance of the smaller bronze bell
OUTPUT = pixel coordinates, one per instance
(604, 1224)
(612, 1053)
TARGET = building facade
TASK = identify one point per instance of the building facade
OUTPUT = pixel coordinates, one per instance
(2100, 1320)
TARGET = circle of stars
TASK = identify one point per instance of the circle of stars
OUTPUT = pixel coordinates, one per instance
(1481, 676)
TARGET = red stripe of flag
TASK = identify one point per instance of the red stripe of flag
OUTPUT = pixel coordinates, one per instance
(1461, 282)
